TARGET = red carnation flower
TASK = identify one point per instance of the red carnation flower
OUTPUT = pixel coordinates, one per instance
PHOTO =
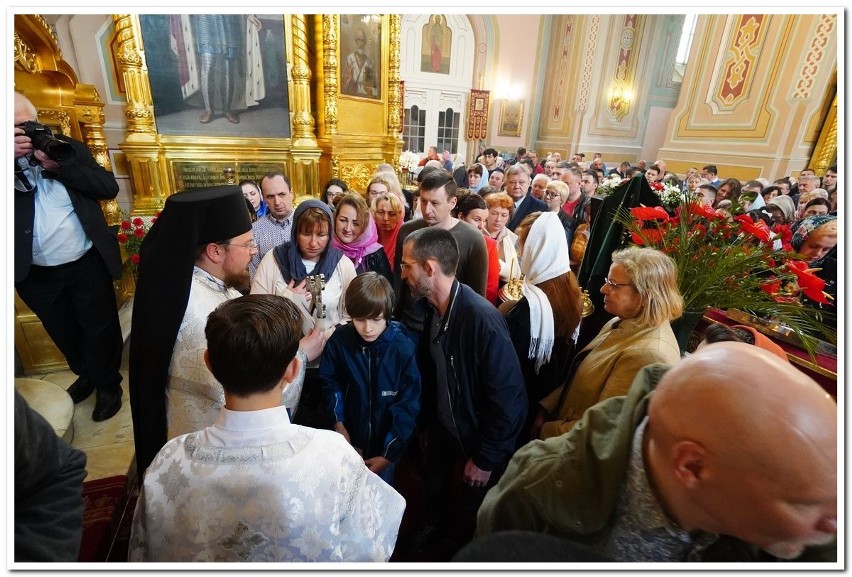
(757, 229)
(135, 258)
(125, 224)
(649, 213)
(771, 287)
(139, 232)
(651, 235)
(698, 209)
(138, 221)
(812, 286)
(123, 238)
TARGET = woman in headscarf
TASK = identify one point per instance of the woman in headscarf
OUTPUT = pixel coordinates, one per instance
(387, 212)
(542, 323)
(477, 177)
(355, 234)
(641, 291)
(783, 209)
(284, 269)
(815, 238)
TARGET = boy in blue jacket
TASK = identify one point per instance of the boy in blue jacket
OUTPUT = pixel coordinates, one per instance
(370, 379)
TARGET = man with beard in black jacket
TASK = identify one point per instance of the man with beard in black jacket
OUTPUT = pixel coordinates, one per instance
(473, 402)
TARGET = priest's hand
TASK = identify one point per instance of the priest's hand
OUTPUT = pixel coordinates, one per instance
(313, 343)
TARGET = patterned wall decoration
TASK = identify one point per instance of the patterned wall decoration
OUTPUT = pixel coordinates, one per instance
(592, 41)
(743, 50)
(625, 69)
(821, 37)
(477, 116)
(560, 83)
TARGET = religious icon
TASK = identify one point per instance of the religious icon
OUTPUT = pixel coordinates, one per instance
(361, 43)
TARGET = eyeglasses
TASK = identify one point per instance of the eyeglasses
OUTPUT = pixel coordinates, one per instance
(549, 194)
(615, 285)
(250, 245)
(406, 265)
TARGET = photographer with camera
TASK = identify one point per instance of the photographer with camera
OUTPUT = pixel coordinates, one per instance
(66, 256)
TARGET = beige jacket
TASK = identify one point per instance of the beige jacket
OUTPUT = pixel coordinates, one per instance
(616, 355)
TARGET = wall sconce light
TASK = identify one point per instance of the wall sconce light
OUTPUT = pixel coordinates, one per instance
(621, 96)
(229, 174)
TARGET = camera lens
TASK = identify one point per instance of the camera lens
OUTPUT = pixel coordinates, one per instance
(59, 151)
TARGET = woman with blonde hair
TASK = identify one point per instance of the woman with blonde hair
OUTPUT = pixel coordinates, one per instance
(641, 291)
(356, 235)
(555, 195)
(387, 212)
(543, 322)
(500, 209)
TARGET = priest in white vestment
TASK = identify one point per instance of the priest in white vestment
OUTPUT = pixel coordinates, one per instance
(254, 487)
(194, 258)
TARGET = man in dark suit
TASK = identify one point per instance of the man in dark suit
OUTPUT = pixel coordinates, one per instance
(66, 258)
(517, 186)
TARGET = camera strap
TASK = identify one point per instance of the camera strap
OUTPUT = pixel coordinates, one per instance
(23, 182)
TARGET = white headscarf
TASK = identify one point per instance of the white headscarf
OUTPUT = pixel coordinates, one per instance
(545, 256)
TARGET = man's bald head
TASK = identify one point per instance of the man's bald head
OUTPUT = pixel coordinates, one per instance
(741, 443)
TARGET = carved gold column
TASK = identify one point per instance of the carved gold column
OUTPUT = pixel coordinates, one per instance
(394, 97)
(90, 113)
(330, 64)
(394, 103)
(305, 151)
(140, 109)
(825, 150)
(148, 173)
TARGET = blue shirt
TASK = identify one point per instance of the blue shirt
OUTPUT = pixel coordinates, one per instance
(58, 235)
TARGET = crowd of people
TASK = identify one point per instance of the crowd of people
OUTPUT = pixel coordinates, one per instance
(305, 378)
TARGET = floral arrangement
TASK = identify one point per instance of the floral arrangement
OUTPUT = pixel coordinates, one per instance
(408, 160)
(609, 184)
(670, 195)
(131, 233)
(733, 263)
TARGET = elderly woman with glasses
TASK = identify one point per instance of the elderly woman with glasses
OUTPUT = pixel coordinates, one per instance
(641, 291)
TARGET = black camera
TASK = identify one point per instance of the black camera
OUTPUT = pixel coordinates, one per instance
(43, 139)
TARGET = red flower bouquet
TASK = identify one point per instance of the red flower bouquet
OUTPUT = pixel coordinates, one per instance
(733, 263)
(131, 233)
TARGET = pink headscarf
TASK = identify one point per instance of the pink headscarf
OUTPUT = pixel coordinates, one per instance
(361, 246)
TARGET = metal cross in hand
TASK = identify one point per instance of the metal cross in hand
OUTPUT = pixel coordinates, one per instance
(315, 284)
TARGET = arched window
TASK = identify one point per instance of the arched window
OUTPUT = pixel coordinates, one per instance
(448, 130)
(414, 129)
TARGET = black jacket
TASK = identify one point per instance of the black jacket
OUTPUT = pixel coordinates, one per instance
(484, 376)
(529, 205)
(87, 183)
(377, 262)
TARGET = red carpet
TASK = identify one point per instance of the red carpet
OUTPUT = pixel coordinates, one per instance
(105, 504)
